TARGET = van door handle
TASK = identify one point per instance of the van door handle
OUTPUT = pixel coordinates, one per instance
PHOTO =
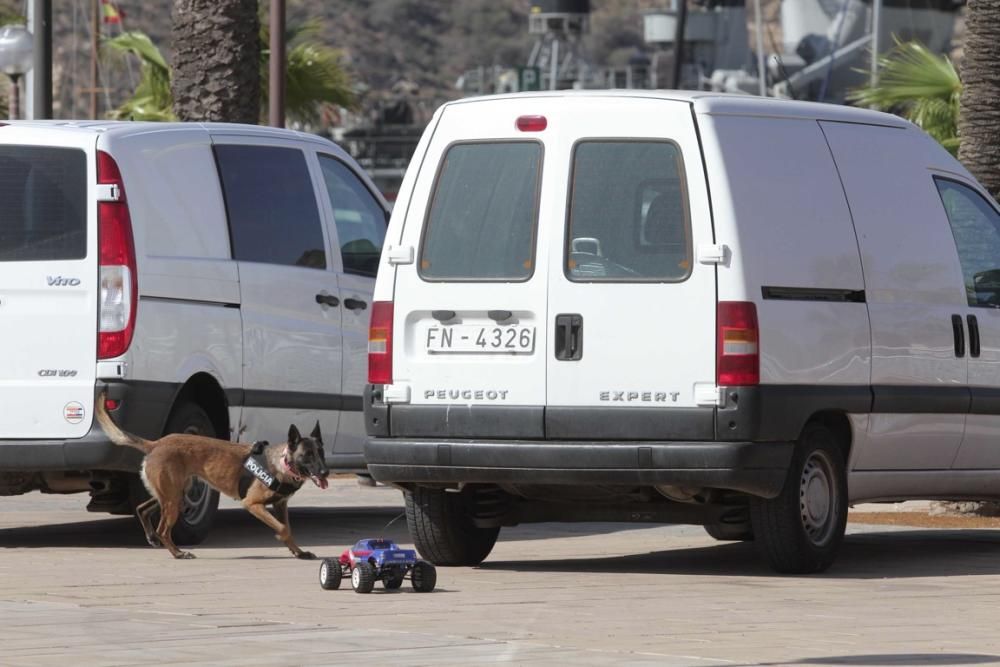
(569, 337)
(355, 304)
(959, 332)
(327, 299)
(973, 335)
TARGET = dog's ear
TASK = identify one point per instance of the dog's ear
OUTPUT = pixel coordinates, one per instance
(293, 437)
(315, 435)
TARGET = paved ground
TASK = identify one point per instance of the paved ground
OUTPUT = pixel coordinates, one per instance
(83, 590)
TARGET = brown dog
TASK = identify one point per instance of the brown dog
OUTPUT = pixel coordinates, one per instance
(258, 475)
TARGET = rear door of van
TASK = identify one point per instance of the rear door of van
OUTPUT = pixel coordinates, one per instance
(632, 311)
(470, 330)
(48, 282)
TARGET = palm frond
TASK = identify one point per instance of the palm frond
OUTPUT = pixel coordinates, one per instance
(316, 77)
(152, 99)
(919, 85)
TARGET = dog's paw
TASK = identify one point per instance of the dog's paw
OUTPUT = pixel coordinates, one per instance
(185, 555)
(153, 541)
(306, 555)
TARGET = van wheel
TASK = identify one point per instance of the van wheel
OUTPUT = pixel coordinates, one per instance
(730, 532)
(442, 528)
(800, 531)
(200, 500)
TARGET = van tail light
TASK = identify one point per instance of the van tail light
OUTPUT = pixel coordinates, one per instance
(738, 352)
(380, 344)
(119, 284)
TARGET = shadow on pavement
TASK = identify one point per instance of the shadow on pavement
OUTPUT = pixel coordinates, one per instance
(895, 555)
(234, 528)
(882, 659)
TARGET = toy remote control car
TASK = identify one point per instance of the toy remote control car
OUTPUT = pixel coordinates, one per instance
(371, 560)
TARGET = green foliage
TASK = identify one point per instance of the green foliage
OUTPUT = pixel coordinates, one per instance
(919, 85)
(316, 79)
(152, 99)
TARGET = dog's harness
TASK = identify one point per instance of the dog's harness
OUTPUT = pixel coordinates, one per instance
(256, 467)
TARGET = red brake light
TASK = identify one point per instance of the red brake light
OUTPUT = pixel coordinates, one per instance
(380, 343)
(531, 123)
(119, 284)
(738, 351)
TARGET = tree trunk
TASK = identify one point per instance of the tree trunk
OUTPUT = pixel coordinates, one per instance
(216, 64)
(979, 119)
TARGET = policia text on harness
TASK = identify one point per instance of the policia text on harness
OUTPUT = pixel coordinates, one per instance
(256, 466)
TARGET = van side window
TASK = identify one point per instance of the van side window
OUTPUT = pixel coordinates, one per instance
(628, 215)
(359, 218)
(273, 216)
(976, 226)
(43, 191)
(483, 213)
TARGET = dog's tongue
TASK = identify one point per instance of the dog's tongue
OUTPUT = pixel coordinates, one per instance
(320, 482)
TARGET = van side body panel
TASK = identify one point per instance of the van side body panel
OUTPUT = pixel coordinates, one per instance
(779, 205)
(913, 289)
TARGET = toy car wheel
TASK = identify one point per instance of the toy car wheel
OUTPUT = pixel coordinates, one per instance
(330, 574)
(363, 578)
(393, 580)
(424, 577)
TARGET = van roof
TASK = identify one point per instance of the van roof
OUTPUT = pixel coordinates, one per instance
(129, 127)
(719, 104)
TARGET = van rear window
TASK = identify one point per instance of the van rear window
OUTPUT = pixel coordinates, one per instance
(628, 216)
(483, 213)
(43, 203)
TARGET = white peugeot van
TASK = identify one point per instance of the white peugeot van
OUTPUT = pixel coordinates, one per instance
(682, 308)
(210, 278)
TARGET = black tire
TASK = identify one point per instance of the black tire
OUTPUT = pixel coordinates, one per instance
(442, 529)
(800, 531)
(393, 580)
(730, 532)
(201, 501)
(363, 577)
(330, 574)
(424, 577)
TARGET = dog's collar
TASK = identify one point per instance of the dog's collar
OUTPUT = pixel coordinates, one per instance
(290, 468)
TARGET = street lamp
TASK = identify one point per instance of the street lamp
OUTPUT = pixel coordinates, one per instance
(16, 57)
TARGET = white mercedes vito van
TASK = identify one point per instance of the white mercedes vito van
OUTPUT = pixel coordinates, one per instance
(209, 278)
(682, 307)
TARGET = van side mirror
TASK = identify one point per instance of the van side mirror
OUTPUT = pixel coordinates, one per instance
(987, 287)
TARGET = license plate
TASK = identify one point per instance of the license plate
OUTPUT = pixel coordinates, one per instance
(470, 338)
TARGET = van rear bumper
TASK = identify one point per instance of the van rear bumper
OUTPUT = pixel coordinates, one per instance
(756, 468)
(91, 452)
(143, 411)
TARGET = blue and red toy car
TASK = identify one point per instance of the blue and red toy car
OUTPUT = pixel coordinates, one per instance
(374, 560)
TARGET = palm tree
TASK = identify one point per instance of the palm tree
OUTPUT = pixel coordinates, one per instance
(216, 60)
(979, 121)
(317, 79)
(919, 85)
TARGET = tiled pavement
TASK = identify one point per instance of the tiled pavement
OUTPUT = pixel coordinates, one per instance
(84, 590)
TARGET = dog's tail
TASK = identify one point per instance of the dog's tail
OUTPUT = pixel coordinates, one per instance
(118, 436)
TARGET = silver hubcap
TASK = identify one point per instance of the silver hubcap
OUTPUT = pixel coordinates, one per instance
(817, 498)
(324, 572)
(355, 577)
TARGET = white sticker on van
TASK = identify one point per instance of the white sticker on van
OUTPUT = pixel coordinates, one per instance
(73, 412)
